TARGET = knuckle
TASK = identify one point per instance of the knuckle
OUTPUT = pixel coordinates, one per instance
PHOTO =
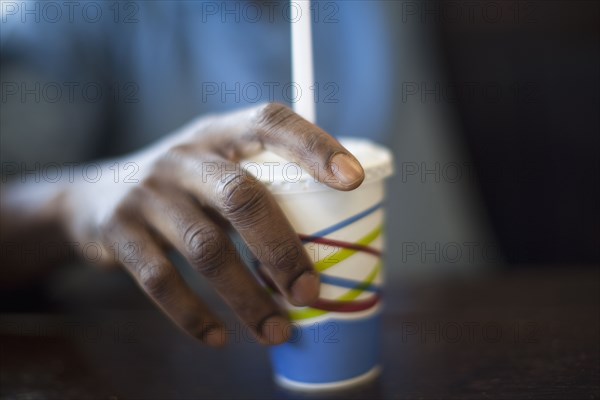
(213, 268)
(242, 197)
(149, 185)
(170, 158)
(204, 246)
(311, 143)
(155, 278)
(126, 207)
(129, 205)
(272, 114)
(285, 255)
(111, 224)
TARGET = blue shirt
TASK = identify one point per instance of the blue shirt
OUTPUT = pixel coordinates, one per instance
(160, 64)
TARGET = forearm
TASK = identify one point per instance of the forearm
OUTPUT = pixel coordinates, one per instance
(32, 234)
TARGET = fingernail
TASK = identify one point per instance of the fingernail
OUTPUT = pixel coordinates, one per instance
(214, 337)
(305, 289)
(275, 330)
(347, 169)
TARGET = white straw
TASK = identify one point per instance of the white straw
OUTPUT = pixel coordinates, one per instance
(302, 60)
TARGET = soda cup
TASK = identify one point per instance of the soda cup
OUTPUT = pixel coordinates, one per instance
(335, 342)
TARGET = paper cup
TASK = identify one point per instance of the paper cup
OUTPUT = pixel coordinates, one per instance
(335, 342)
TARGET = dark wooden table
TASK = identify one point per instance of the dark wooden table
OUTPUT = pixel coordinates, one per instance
(529, 333)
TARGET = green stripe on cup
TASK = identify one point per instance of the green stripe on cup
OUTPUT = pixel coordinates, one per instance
(343, 254)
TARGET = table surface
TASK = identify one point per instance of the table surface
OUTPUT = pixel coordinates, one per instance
(527, 333)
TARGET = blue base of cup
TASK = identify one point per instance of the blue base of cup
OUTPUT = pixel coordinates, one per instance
(329, 354)
(339, 385)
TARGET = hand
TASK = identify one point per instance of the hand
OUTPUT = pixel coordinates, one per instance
(180, 203)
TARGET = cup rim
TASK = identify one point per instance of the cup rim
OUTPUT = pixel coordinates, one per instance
(376, 160)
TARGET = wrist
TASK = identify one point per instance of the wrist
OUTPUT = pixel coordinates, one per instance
(34, 205)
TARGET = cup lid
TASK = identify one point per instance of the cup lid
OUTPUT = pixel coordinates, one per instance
(281, 175)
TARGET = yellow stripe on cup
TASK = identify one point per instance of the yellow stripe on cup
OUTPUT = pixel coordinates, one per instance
(343, 254)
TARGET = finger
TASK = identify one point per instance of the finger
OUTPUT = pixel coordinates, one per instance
(210, 251)
(253, 212)
(277, 128)
(145, 260)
